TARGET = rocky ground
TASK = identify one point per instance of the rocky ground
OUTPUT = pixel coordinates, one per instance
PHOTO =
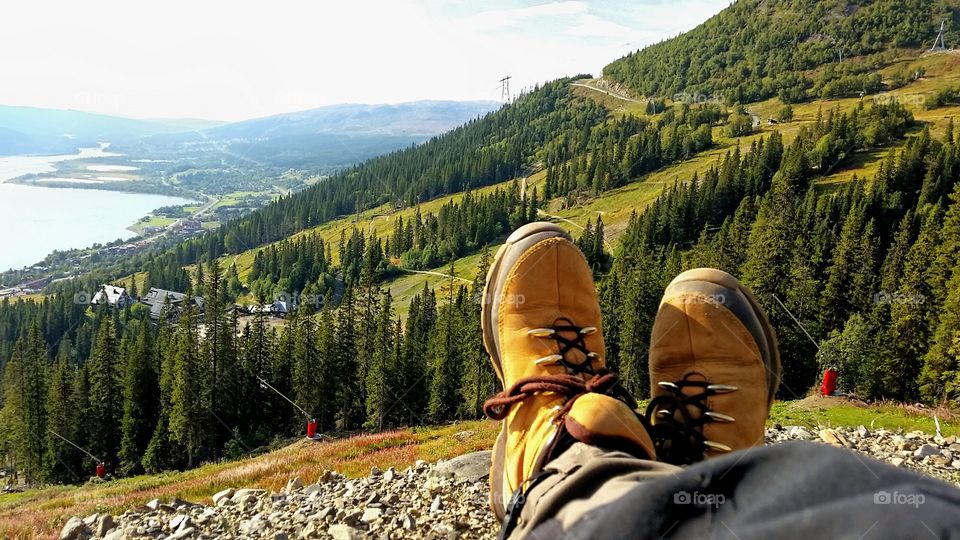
(442, 500)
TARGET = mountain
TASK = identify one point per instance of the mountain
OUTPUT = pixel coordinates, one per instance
(756, 49)
(32, 130)
(333, 136)
(418, 118)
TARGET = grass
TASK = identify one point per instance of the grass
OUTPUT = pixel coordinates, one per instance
(40, 513)
(820, 412)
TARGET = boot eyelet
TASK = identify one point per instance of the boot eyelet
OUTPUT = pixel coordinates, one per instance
(541, 332)
(551, 360)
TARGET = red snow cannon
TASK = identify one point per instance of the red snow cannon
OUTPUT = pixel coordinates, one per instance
(829, 382)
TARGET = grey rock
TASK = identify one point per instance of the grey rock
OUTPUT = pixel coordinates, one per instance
(182, 533)
(116, 534)
(294, 484)
(103, 525)
(436, 505)
(221, 495)
(389, 475)
(74, 528)
(927, 450)
(177, 521)
(344, 532)
(471, 467)
(243, 495)
(371, 514)
(153, 505)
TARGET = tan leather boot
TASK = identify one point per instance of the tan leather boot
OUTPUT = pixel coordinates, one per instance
(541, 327)
(714, 368)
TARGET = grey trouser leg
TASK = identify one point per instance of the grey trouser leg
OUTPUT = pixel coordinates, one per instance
(581, 479)
(806, 491)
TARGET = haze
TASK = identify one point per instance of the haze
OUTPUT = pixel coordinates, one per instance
(236, 60)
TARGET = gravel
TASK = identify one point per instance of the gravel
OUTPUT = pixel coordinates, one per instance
(443, 500)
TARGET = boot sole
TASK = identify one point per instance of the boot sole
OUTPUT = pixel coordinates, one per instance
(762, 331)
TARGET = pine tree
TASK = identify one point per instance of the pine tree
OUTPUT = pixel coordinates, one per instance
(381, 369)
(106, 397)
(62, 460)
(24, 417)
(141, 399)
(186, 411)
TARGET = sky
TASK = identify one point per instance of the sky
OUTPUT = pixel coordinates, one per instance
(239, 59)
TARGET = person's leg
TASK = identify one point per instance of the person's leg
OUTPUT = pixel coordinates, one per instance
(580, 463)
(713, 354)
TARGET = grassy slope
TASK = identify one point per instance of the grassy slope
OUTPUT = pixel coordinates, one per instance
(41, 512)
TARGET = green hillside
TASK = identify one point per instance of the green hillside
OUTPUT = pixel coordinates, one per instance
(757, 49)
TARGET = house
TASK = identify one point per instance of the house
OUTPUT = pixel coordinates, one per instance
(115, 297)
(156, 299)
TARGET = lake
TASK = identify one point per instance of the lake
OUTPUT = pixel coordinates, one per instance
(34, 221)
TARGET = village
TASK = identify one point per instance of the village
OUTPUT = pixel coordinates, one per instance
(169, 305)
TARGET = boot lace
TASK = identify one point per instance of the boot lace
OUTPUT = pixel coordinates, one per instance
(581, 377)
(677, 433)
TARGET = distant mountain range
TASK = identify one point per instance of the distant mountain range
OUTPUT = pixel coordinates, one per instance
(334, 135)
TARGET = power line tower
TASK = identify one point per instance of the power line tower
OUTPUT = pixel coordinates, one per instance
(939, 44)
(505, 89)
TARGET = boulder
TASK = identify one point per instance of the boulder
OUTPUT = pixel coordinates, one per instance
(472, 467)
(74, 529)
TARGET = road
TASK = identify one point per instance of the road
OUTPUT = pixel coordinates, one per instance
(611, 93)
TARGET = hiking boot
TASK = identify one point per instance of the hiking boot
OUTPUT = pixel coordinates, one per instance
(541, 327)
(714, 368)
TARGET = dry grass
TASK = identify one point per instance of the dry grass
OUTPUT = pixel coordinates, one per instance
(40, 513)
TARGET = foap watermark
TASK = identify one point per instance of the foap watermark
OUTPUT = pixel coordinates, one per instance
(696, 498)
(912, 100)
(896, 497)
(715, 300)
(697, 98)
(508, 299)
(907, 299)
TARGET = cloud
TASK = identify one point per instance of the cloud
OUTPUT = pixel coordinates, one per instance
(514, 16)
(593, 26)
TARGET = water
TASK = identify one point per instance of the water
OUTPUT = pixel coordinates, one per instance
(35, 221)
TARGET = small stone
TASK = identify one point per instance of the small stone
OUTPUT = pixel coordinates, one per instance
(177, 521)
(408, 522)
(955, 464)
(344, 532)
(182, 533)
(897, 462)
(863, 432)
(389, 475)
(833, 437)
(294, 484)
(311, 489)
(243, 494)
(375, 471)
(927, 450)
(371, 514)
(74, 528)
(436, 505)
(325, 476)
(90, 520)
(154, 504)
(221, 495)
(103, 525)
(116, 534)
